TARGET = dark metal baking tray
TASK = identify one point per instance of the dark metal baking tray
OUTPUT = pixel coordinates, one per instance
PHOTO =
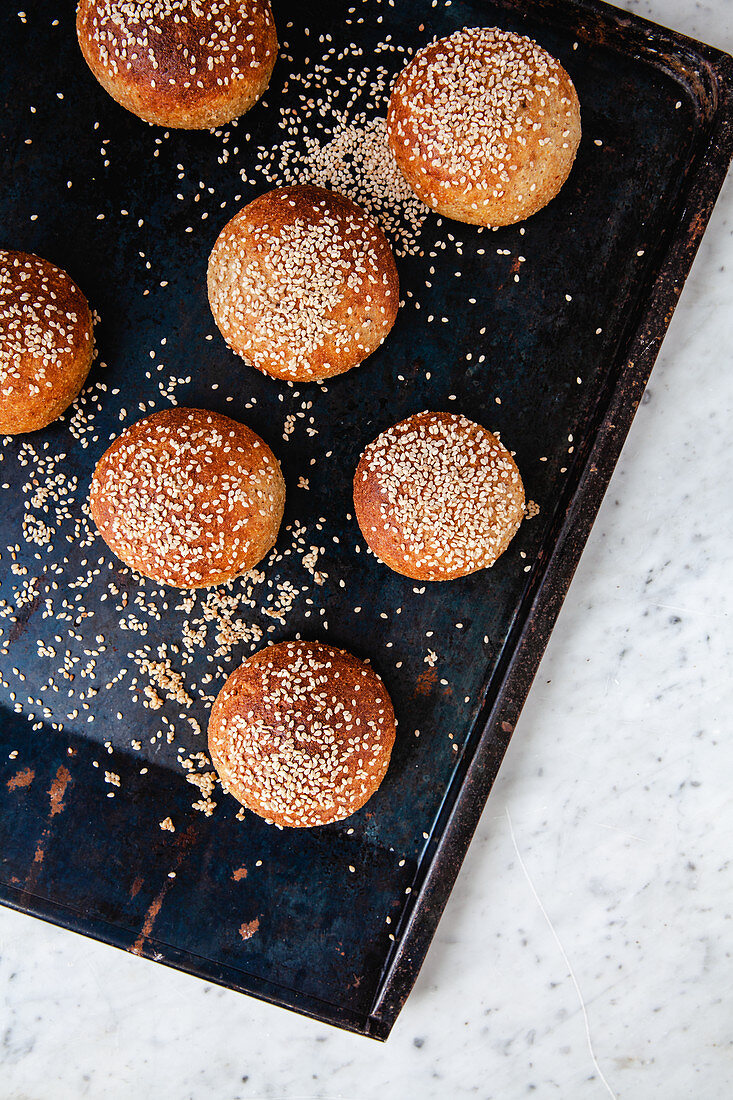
(300, 918)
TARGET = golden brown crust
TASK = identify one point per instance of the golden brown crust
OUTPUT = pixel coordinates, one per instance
(438, 497)
(302, 733)
(187, 64)
(188, 497)
(46, 342)
(303, 284)
(484, 125)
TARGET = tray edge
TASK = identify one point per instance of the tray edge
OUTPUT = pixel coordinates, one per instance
(531, 630)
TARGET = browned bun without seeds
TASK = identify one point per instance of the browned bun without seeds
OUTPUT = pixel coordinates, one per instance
(46, 342)
(303, 284)
(302, 733)
(438, 497)
(188, 64)
(188, 497)
(484, 126)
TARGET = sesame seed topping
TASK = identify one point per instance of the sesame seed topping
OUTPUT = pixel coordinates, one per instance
(438, 496)
(302, 283)
(302, 733)
(474, 118)
(186, 59)
(188, 497)
(46, 341)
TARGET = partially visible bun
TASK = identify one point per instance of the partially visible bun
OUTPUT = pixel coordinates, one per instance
(46, 342)
(484, 126)
(302, 733)
(438, 497)
(188, 497)
(187, 64)
(303, 284)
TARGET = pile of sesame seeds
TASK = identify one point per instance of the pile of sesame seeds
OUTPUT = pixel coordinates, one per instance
(356, 160)
(50, 494)
(83, 413)
(463, 103)
(302, 733)
(450, 495)
(333, 134)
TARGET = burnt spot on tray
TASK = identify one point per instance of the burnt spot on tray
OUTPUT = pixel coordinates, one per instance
(248, 929)
(21, 779)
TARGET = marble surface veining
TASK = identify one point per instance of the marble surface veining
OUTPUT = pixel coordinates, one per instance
(586, 949)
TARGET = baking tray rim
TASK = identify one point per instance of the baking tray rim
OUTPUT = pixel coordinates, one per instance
(582, 494)
(536, 615)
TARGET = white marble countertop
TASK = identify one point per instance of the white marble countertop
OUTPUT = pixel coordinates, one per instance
(586, 948)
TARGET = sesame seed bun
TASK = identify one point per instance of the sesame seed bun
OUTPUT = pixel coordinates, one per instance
(303, 284)
(186, 64)
(46, 342)
(188, 497)
(438, 497)
(302, 733)
(484, 126)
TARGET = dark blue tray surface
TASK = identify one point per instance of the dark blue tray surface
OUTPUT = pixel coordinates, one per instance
(309, 919)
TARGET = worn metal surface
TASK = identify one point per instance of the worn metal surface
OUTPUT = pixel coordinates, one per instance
(610, 253)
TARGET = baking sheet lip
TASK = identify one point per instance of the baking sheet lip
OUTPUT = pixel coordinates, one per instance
(522, 656)
(531, 631)
(622, 25)
(73, 919)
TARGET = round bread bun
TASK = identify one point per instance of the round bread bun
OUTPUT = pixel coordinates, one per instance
(438, 497)
(302, 733)
(46, 342)
(188, 64)
(188, 497)
(303, 284)
(484, 126)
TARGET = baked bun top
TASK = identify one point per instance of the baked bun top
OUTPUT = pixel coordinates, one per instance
(46, 341)
(437, 497)
(303, 284)
(485, 125)
(182, 63)
(188, 497)
(302, 733)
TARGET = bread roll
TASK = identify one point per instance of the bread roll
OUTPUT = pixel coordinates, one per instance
(302, 733)
(46, 342)
(189, 498)
(187, 64)
(484, 126)
(438, 497)
(303, 284)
